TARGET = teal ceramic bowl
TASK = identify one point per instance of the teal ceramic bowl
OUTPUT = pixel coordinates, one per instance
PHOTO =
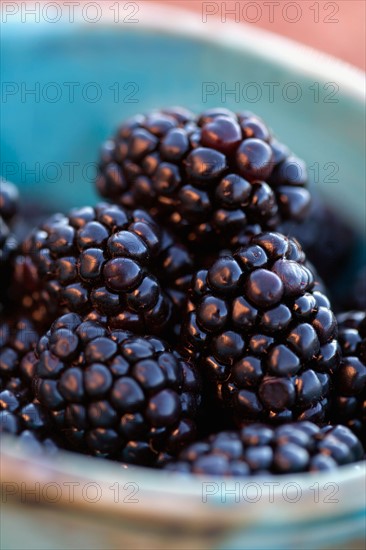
(86, 78)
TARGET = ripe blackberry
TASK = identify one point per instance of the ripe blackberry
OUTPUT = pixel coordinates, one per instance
(8, 243)
(262, 333)
(24, 417)
(18, 339)
(20, 414)
(103, 258)
(262, 449)
(208, 176)
(9, 199)
(327, 240)
(350, 389)
(116, 394)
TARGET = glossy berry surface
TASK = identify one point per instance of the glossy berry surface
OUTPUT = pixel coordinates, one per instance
(103, 258)
(260, 449)
(263, 335)
(116, 394)
(26, 418)
(20, 414)
(350, 390)
(9, 199)
(18, 339)
(184, 323)
(207, 176)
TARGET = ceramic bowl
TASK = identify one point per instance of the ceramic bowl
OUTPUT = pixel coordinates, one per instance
(49, 146)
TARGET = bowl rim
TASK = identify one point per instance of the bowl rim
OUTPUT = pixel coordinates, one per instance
(180, 496)
(178, 21)
(266, 44)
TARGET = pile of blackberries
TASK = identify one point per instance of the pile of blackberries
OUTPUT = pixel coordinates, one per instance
(180, 324)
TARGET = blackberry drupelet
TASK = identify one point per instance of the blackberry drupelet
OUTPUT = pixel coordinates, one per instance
(350, 389)
(115, 394)
(8, 243)
(102, 258)
(207, 176)
(260, 449)
(263, 335)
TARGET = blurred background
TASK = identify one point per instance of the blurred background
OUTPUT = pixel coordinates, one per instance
(104, 61)
(337, 28)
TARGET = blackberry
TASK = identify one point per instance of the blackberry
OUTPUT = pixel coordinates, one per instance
(113, 393)
(20, 414)
(18, 339)
(103, 258)
(263, 335)
(350, 390)
(262, 449)
(8, 243)
(325, 238)
(9, 200)
(26, 418)
(207, 176)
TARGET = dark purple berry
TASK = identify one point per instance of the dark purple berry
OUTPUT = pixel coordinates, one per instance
(222, 134)
(117, 262)
(212, 177)
(20, 413)
(254, 159)
(350, 389)
(111, 391)
(204, 165)
(253, 127)
(210, 115)
(9, 206)
(18, 338)
(255, 326)
(264, 288)
(260, 449)
(174, 145)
